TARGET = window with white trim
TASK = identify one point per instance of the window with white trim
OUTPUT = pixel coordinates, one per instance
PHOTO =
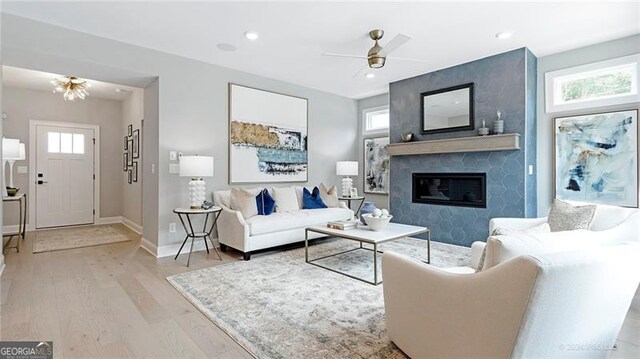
(376, 120)
(61, 142)
(604, 83)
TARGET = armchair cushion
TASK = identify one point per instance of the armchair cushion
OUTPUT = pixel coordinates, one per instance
(566, 217)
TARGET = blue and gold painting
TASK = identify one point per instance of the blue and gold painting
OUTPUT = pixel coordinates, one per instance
(267, 137)
(596, 158)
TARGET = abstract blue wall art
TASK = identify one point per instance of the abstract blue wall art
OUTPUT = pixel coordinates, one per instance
(597, 158)
(267, 136)
(376, 165)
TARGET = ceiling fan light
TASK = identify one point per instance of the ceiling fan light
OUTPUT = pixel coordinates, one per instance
(376, 62)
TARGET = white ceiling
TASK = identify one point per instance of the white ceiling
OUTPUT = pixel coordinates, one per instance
(293, 36)
(38, 80)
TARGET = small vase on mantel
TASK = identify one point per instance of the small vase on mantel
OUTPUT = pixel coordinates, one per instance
(498, 126)
(484, 130)
(367, 207)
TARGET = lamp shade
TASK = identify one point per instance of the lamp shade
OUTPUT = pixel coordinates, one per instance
(347, 168)
(10, 149)
(23, 152)
(196, 166)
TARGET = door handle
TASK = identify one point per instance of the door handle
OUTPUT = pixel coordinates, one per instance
(42, 182)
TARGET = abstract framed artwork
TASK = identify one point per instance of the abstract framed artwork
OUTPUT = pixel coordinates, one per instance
(376, 165)
(596, 158)
(136, 144)
(267, 136)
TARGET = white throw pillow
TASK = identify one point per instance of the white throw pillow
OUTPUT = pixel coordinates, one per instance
(286, 199)
(329, 196)
(541, 228)
(244, 201)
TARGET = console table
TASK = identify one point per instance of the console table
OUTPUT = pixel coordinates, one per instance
(21, 198)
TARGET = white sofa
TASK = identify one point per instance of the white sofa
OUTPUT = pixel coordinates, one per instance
(610, 225)
(554, 305)
(260, 232)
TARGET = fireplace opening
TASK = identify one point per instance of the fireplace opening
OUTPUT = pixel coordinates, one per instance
(451, 189)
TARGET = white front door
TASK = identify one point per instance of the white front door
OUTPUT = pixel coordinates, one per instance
(64, 176)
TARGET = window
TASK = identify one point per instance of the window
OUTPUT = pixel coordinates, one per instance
(376, 120)
(58, 142)
(605, 83)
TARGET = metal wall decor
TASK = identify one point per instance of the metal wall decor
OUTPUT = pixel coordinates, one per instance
(131, 152)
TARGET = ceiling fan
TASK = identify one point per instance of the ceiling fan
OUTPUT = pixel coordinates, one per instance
(378, 55)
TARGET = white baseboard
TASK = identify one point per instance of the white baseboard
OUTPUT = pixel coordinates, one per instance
(171, 249)
(148, 246)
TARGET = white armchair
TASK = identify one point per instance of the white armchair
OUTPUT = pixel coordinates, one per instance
(569, 304)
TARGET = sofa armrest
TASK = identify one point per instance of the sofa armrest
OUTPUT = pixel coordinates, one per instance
(476, 253)
(432, 313)
(515, 223)
(233, 230)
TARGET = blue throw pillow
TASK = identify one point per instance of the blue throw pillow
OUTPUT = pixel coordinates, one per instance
(312, 200)
(266, 203)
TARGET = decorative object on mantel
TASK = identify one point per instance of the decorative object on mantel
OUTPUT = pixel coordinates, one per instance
(596, 158)
(196, 167)
(267, 136)
(347, 169)
(376, 165)
(498, 126)
(447, 110)
(505, 142)
(407, 137)
(484, 130)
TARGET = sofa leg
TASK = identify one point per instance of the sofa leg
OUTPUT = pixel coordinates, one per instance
(246, 256)
(223, 247)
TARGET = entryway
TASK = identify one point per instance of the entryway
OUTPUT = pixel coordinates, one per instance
(65, 171)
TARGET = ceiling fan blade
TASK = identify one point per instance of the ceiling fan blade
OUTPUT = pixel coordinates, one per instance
(396, 42)
(362, 69)
(344, 55)
(406, 59)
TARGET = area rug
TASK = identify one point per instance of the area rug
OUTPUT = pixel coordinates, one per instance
(278, 306)
(78, 237)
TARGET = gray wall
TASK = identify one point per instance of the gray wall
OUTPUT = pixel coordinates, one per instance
(380, 200)
(192, 109)
(131, 196)
(500, 83)
(22, 105)
(585, 55)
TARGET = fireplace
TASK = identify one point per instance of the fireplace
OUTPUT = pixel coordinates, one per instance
(450, 189)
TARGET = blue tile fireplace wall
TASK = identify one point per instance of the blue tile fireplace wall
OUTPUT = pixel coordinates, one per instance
(504, 82)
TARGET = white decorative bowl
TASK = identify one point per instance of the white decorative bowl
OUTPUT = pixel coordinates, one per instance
(376, 223)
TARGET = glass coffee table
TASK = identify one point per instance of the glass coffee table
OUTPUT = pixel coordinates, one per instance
(363, 234)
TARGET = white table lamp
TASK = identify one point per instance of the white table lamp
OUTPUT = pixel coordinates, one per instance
(12, 151)
(347, 169)
(196, 167)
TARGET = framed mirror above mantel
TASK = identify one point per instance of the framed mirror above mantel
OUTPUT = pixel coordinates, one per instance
(447, 110)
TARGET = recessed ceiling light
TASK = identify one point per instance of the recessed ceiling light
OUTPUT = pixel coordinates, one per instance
(370, 75)
(226, 47)
(251, 35)
(504, 35)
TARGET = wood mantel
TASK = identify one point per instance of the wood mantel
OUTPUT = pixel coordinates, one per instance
(505, 142)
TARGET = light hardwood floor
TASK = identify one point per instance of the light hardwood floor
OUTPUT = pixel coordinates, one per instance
(113, 301)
